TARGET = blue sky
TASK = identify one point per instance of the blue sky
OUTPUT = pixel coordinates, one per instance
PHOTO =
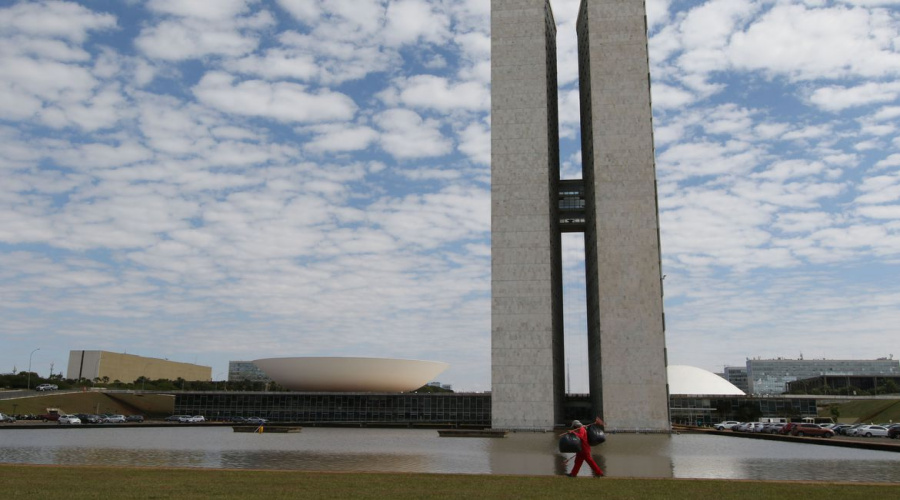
(225, 180)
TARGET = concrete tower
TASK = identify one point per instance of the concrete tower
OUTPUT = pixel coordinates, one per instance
(526, 264)
(614, 206)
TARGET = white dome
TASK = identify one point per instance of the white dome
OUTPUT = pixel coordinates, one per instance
(314, 374)
(690, 380)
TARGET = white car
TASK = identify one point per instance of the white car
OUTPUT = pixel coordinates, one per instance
(187, 419)
(69, 420)
(871, 430)
(46, 387)
(114, 419)
(852, 431)
(772, 428)
(728, 424)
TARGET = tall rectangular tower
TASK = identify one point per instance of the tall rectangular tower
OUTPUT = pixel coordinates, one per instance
(626, 331)
(526, 265)
(619, 217)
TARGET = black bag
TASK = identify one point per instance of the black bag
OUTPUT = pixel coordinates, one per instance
(569, 443)
(595, 435)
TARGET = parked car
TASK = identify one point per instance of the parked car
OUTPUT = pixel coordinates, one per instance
(748, 427)
(188, 419)
(728, 424)
(871, 430)
(134, 418)
(894, 431)
(176, 418)
(68, 420)
(807, 429)
(7, 418)
(772, 428)
(46, 387)
(114, 419)
(50, 416)
(788, 427)
(839, 428)
(851, 431)
(255, 420)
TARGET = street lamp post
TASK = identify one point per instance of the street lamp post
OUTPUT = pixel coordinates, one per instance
(29, 366)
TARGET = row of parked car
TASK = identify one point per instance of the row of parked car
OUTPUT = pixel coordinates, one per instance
(871, 430)
(188, 419)
(811, 429)
(85, 418)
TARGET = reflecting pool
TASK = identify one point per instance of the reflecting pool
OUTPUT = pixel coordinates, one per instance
(417, 450)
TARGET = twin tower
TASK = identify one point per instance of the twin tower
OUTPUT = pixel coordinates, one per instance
(614, 205)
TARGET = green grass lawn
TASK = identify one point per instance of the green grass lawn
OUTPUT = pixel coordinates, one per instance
(35, 482)
(868, 411)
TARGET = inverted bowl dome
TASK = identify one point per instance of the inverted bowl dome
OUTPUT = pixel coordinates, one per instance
(690, 380)
(333, 374)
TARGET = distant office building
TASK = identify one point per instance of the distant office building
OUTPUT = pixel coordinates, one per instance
(92, 365)
(849, 385)
(770, 376)
(737, 375)
(246, 371)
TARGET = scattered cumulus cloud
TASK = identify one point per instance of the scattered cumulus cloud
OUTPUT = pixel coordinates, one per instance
(311, 177)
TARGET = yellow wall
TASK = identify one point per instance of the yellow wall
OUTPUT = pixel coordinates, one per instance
(128, 367)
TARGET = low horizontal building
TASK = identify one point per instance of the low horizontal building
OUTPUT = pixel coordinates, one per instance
(93, 365)
(408, 409)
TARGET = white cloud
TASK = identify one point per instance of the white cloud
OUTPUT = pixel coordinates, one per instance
(218, 10)
(434, 92)
(806, 43)
(193, 30)
(277, 64)
(406, 135)
(336, 138)
(838, 98)
(287, 102)
(409, 21)
(219, 168)
(475, 142)
(667, 96)
(54, 19)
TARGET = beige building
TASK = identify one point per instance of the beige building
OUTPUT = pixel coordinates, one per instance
(128, 367)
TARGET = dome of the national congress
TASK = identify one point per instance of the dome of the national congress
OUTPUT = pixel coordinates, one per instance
(338, 374)
(690, 380)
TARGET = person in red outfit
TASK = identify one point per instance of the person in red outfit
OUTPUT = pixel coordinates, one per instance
(585, 454)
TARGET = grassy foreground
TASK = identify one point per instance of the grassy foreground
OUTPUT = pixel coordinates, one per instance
(35, 482)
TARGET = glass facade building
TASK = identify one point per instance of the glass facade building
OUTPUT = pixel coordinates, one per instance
(707, 411)
(245, 371)
(770, 376)
(408, 409)
(737, 375)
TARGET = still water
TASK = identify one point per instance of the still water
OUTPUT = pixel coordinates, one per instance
(417, 450)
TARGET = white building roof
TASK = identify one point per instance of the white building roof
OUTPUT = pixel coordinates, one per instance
(690, 380)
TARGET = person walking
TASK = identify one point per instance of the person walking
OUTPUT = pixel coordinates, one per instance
(585, 454)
